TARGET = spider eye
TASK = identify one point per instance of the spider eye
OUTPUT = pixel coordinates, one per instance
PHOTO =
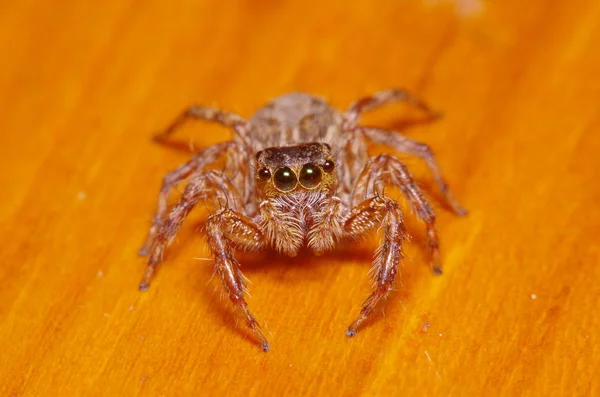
(310, 175)
(328, 166)
(264, 174)
(285, 179)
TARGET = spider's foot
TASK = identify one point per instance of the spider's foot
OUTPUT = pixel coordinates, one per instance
(159, 137)
(451, 201)
(458, 209)
(436, 265)
(435, 115)
(353, 328)
(143, 251)
(264, 346)
(145, 283)
(263, 343)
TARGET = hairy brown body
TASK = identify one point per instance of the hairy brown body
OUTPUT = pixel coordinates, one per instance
(298, 174)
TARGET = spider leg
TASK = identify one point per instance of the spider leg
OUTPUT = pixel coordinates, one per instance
(378, 210)
(382, 98)
(201, 187)
(421, 150)
(173, 178)
(227, 119)
(226, 230)
(388, 169)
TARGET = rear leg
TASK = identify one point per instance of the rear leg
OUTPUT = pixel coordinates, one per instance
(226, 119)
(201, 187)
(172, 179)
(421, 150)
(382, 98)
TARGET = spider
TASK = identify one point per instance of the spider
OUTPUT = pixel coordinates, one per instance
(298, 174)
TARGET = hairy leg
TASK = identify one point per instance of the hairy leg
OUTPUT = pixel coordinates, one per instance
(382, 98)
(350, 160)
(201, 187)
(378, 210)
(226, 230)
(385, 169)
(196, 164)
(227, 119)
(405, 145)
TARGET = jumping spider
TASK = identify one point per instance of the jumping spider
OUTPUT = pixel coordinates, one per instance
(298, 174)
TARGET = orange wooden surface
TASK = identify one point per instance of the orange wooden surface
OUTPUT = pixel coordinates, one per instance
(82, 88)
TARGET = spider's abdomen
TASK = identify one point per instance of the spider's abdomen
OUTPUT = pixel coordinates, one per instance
(292, 119)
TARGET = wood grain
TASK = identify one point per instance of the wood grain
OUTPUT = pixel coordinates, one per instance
(85, 84)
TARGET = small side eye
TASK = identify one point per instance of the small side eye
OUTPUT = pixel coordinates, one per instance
(285, 179)
(328, 166)
(264, 174)
(310, 175)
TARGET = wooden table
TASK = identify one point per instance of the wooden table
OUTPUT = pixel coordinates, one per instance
(84, 86)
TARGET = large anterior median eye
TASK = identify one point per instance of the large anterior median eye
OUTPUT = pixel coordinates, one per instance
(310, 175)
(285, 179)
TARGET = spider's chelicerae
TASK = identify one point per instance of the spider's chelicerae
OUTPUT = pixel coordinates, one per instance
(298, 174)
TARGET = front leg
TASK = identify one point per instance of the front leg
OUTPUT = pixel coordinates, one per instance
(378, 210)
(226, 231)
(386, 169)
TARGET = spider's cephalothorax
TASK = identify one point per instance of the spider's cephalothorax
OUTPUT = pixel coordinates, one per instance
(296, 186)
(298, 174)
